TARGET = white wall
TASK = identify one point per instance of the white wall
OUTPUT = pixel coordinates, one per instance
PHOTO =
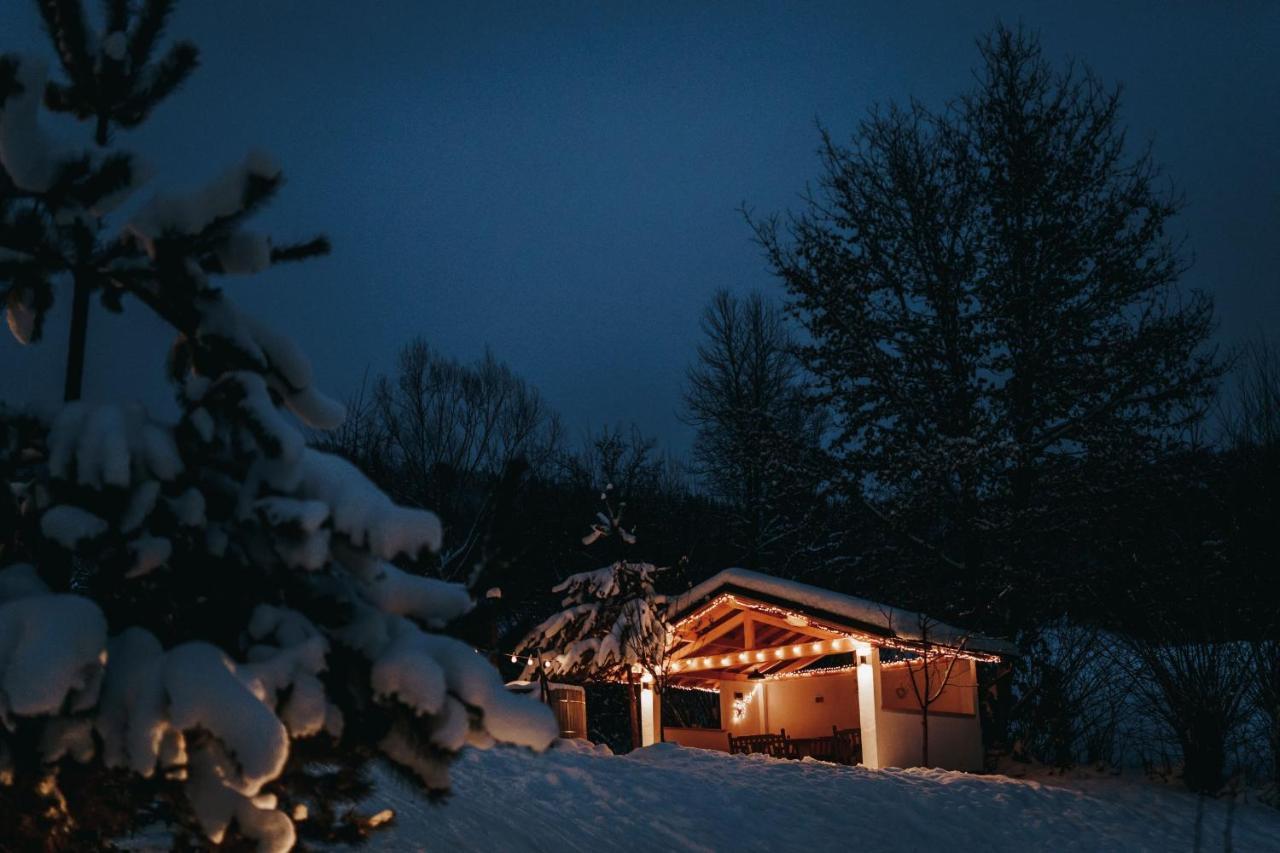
(754, 722)
(955, 739)
(792, 704)
(809, 707)
(955, 742)
(698, 738)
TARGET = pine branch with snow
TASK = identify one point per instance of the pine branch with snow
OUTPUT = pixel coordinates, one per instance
(196, 614)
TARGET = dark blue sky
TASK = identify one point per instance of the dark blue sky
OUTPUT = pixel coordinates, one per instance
(560, 181)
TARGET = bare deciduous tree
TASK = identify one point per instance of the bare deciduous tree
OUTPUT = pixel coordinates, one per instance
(451, 430)
(758, 433)
(1250, 413)
(626, 462)
(931, 669)
(1251, 426)
(1071, 699)
(361, 438)
(1198, 685)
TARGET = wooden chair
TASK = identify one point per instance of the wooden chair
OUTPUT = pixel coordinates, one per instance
(769, 744)
(848, 745)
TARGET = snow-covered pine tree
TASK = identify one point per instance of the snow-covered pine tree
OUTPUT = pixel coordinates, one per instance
(611, 623)
(196, 617)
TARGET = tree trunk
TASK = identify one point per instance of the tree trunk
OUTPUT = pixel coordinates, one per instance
(633, 695)
(924, 736)
(76, 344)
(660, 707)
(1275, 748)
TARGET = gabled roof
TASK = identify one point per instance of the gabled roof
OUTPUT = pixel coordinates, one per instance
(835, 609)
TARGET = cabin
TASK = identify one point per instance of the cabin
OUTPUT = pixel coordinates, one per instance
(804, 671)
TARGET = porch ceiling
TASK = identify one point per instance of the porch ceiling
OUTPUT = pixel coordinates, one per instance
(730, 639)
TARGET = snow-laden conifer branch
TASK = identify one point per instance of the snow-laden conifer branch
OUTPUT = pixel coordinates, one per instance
(185, 600)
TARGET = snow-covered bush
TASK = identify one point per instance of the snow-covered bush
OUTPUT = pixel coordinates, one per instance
(200, 621)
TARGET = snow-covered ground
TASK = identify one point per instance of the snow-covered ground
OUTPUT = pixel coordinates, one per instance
(672, 798)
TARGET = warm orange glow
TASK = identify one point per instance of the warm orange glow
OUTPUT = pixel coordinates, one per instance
(746, 656)
(803, 620)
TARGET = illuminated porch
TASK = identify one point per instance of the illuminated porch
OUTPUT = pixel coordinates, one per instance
(799, 671)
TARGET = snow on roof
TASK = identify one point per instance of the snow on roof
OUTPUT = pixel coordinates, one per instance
(861, 613)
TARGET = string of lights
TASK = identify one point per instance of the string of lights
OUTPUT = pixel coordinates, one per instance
(803, 620)
(847, 641)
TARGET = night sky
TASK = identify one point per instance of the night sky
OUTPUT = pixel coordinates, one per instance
(560, 182)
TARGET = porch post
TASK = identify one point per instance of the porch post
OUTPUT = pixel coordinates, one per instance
(868, 658)
(649, 710)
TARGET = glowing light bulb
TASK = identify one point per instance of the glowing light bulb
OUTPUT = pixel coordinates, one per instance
(514, 658)
(743, 657)
(795, 650)
(759, 656)
(817, 647)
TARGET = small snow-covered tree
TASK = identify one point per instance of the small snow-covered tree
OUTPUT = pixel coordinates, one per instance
(611, 627)
(200, 621)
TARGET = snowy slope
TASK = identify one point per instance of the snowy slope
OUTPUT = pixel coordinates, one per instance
(672, 798)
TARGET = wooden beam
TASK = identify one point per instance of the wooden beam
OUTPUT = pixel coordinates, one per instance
(711, 636)
(752, 658)
(748, 631)
(709, 675)
(771, 635)
(792, 666)
(810, 630)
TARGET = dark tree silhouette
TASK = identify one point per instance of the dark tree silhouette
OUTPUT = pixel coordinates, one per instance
(993, 315)
(758, 448)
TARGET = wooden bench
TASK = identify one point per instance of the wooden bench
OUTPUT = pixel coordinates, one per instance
(843, 746)
(770, 744)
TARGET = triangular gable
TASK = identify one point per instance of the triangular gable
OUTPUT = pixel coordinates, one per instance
(835, 612)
